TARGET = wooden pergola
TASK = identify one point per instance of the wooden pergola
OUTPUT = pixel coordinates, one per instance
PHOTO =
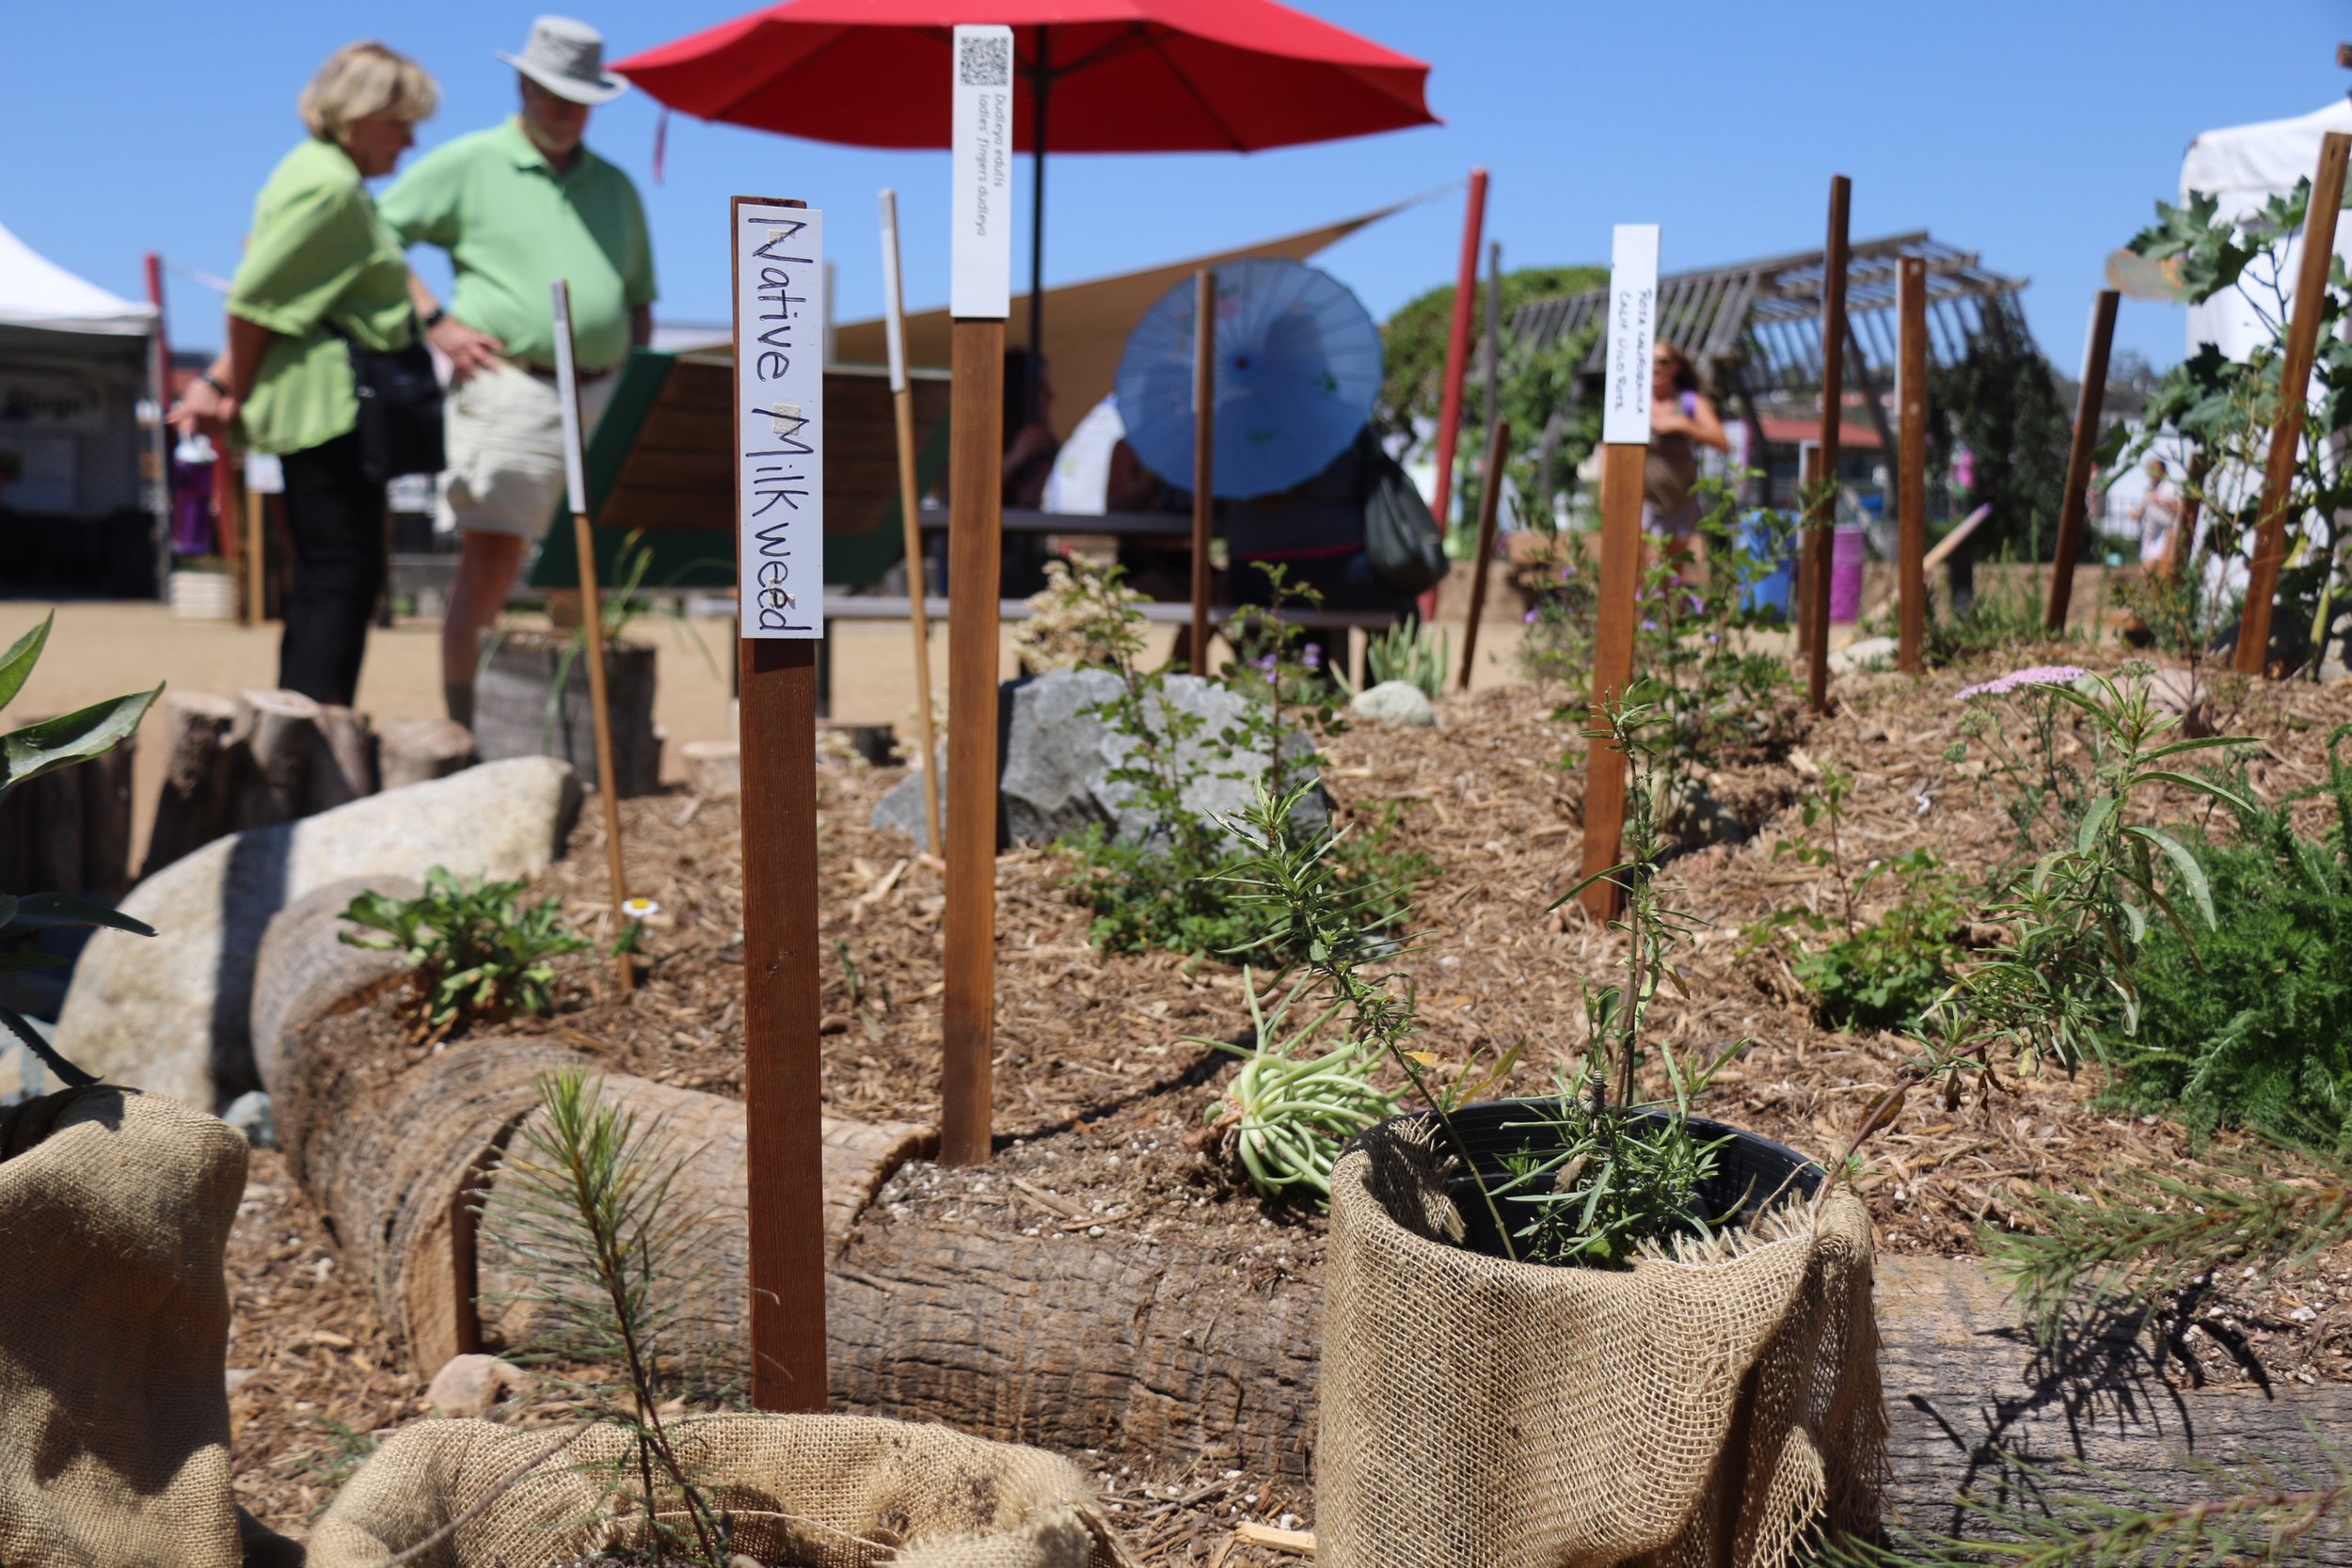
(1753, 330)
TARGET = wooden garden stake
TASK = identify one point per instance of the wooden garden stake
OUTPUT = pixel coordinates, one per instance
(2078, 455)
(2310, 298)
(1490, 496)
(902, 406)
(1910, 398)
(2182, 543)
(1204, 455)
(1822, 517)
(1632, 328)
(591, 622)
(1457, 347)
(980, 298)
(256, 555)
(778, 252)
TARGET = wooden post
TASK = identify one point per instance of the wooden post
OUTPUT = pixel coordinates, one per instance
(229, 489)
(2311, 297)
(2075, 501)
(1490, 496)
(1810, 560)
(1204, 455)
(1822, 516)
(776, 250)
(591, 621)
(1457, 347)
(1632, 332)
(1912, 395)
(979, 298)
(256, 556)
(2182, 545)
(902, 407)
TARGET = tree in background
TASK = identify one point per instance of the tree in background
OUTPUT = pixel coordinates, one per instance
(2002, 405)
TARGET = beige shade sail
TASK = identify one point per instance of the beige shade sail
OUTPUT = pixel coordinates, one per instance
(1086, 324)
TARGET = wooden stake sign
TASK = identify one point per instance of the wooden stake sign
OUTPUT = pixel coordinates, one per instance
(778, 250)
(1489, 498)
(1911, 403)
(1204, 455)
(1822, 517)
(1632, 329)
(591, 620)
(903, 411)
(980, 298)
(2079, 454)
(2286, 437)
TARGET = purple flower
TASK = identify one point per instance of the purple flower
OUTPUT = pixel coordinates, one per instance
(2040, 675)
(1649, 626)
(1266, 665)
(1313, 656)
(1530, 618)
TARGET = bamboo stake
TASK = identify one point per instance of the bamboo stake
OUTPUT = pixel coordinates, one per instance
(1204, 455)
(902, 406)
(2076, 501)
(1912, 397)
(590, 619)
(256, 556)
(1489, 496)
(2310, 298)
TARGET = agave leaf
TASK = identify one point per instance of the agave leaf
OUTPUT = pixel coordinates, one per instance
(38, 910)
(72, 1076)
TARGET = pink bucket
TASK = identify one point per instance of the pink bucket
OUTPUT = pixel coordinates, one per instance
(1846, 555)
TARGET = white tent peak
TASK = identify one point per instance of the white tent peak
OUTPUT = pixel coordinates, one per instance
(35, 292)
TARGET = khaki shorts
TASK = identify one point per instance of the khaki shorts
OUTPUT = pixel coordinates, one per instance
(506, 429)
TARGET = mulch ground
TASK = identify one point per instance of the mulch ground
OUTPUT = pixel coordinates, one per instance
(1102, 1090)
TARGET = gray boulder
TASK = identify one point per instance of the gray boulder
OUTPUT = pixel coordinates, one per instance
(170, 1014)
(1057, 756)
(1395, 703)
(255, 1114)
(1869, 653)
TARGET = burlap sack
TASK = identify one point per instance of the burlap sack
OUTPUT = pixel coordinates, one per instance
(114, 1209)
(1479, 1412)
(811, 1491)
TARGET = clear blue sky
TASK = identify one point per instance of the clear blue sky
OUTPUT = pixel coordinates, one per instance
(2038, 133)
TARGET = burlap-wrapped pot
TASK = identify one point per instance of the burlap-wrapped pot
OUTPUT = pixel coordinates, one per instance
(1677, 1413)
(808, 1491)
(115, 1209)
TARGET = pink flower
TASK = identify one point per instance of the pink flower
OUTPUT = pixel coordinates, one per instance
(2040, 675)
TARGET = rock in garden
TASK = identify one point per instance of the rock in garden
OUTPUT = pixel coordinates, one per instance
(1057, 754)
(714, 768)
(1869, 653)
(253, 1114)
(470, 1384)
(1395, 703)
(169, 1013)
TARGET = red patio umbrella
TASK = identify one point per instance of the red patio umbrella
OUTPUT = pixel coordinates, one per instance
(1092, 76)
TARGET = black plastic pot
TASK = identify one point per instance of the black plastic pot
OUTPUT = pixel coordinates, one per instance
(512, 696)
(1750, 1170)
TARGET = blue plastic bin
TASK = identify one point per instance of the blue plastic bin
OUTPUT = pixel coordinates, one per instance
(1757, 532)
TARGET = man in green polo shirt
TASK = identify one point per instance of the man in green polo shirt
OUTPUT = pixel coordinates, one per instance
(517, 207)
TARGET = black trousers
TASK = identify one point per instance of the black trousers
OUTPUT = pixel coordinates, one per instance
(336, 519)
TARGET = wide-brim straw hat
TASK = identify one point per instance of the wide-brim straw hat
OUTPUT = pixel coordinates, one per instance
(566, 57)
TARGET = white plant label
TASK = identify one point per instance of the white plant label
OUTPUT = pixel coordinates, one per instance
(780, 414)
(567, 393)
(982, 252)
(1632, 328)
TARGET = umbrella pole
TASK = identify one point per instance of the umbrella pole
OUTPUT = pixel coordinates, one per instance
(902, 409)
(1204, 455)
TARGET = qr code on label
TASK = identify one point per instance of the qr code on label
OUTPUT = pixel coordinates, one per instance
(984, 62)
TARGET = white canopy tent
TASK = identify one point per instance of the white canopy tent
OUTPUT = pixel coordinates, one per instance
(2245, 165)
(76, 365)
(35, 292)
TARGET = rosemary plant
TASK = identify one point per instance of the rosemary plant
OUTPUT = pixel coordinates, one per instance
(608, 1244)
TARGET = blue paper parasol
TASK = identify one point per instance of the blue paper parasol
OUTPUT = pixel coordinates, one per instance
(1298, 369)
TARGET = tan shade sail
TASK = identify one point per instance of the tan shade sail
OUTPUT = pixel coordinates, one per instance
(1086, 324)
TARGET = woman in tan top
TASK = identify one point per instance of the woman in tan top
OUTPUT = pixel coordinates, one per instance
(1681, 420)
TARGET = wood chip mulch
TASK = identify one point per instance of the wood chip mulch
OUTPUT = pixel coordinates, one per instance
(1096, 1080)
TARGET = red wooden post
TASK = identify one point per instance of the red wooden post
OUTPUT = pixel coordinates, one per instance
(2078, 453)
(1912, 379)
(2311, 293)
(1823, 514)
(779, 498)
(1457, 348)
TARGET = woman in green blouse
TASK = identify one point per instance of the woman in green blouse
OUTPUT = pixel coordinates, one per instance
(322, 273)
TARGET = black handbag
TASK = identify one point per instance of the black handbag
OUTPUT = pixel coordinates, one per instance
(1400, 535)
(400, 409)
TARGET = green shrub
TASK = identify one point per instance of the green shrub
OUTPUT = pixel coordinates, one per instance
(1418, 655)
(479, 952)
(1886, 975)
(2252, 1024)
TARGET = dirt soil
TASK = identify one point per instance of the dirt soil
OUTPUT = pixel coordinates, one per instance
(1100, 1095)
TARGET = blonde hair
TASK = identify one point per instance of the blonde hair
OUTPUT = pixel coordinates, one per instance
(363, 79)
